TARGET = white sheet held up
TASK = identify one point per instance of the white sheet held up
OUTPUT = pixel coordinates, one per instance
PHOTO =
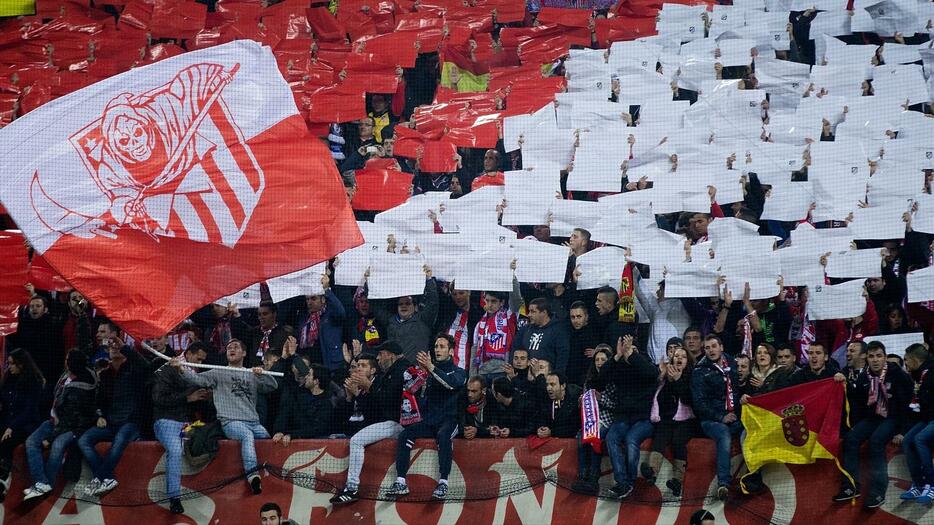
(841, 301)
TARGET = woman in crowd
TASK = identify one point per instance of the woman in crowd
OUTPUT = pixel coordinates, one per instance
(21, 392)
(588, 458)
(764, 375)
(673, 417)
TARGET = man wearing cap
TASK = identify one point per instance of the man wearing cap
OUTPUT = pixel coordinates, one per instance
(386, 389)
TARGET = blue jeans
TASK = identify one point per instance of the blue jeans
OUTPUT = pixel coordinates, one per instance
(169, 433)
(245, 432)
(442, 432)
(722, 434)
(46, 472)
(626, 468)
(917, 448)
(588, 461)
(879, 432)
(119, 437)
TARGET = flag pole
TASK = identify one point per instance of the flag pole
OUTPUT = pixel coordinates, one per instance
(207, 366)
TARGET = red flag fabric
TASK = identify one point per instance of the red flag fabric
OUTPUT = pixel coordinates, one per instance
(43, 276)
(325, 25)
(381, 189)
(336, 104)
(438, 157)
(177, 18)
(566, 17)
(182, 186)
(12, 279)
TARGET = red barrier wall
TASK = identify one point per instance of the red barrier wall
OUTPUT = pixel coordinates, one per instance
(799, 494)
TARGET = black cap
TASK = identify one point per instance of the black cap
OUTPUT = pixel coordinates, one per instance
(389, 346)
(675, 341)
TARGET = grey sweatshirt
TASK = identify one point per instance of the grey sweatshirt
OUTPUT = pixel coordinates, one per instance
(235, 393)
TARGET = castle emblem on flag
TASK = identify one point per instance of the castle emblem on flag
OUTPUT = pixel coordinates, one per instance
(171, 162)
(794, 425)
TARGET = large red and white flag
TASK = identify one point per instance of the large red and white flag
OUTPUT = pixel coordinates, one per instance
(159, 190)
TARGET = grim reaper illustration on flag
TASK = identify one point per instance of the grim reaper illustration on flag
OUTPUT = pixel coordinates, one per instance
(172, 162)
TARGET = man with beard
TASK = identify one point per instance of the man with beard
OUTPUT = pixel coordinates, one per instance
(41, 334)
(583, 341)
(458, 318)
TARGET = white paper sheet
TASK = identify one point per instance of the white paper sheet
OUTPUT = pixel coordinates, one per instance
(249, 297)
(923, 219)
(486, 271)
(896, 343)
(352, 264)
(540, 262)
(302, 282)
(841, 301)
(393, 275)
(788, 201)
(592, 173)
(694, 279)
(921, 285)
(529, 195)
(601, 267)
(855, 264)
(569, 214)
(800, 266)
(879, 223)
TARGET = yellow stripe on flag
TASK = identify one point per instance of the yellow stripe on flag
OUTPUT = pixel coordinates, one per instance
(17, 7)
(766, 440)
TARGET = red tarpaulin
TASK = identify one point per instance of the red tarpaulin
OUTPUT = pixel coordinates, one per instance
(381, 189)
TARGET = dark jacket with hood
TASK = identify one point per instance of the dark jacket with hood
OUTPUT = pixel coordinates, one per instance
(708, 388)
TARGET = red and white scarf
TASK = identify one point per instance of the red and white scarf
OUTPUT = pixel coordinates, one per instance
(878, 393)
(220, 335)
(458, 330)
(264, 343)
(590, 419)
(310, 330)
(494, 335)
(724, 368)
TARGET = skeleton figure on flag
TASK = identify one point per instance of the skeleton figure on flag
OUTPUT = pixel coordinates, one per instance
(172, 162)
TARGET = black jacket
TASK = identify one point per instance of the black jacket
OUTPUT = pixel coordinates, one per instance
(635, 380)
(482, 419)
(387, 391)
(564, 421)
(549, 342)
(708, 388)
(120, 393)
(19, 401)
(672, 393)
(900, 389)
(75, 404)
(170, 395)
(438, 402)
(304, 415)
(580, 340)
(806, 375)
(43, 338)
(925, 390)
(518, 417)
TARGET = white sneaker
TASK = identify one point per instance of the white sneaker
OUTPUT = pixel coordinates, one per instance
(92, 487)
(106, 486)
(37, 490)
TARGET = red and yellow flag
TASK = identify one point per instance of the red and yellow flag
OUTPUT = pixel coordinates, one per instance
(799, 425)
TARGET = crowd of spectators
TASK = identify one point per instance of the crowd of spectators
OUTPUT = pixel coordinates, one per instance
(455, 364)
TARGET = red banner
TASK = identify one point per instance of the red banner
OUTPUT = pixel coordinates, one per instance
(800, 494)
(379, 189)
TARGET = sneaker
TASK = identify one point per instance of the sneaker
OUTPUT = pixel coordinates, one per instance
(345, 496)
(106, 486)
(440, 492)
(621, 491)
(92, 487)
(723, 492)
(398, 488)
(675, 487)
(927, 495)
(874, 502)
(256, 485)
(648, 473)
(37, 490)
(846, 494)
(175, 506)
(913, 493)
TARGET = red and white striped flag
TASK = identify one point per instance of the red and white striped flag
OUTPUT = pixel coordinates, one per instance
(159, 190)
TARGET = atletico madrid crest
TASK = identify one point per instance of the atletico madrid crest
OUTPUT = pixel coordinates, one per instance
(794, 425)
